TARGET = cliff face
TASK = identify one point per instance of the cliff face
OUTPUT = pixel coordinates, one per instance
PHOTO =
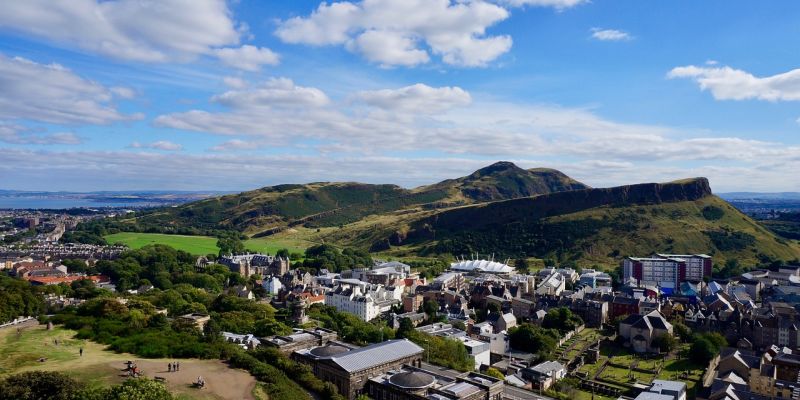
(509, 211)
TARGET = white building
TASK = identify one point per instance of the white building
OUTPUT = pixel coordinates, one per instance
(367, 301)
(553, 284)
(272, 285)
(481, 266)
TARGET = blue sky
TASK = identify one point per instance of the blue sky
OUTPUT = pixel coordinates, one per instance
(199, 95)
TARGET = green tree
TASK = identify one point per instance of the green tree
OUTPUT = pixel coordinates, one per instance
(533, 339)
(139, 389)
(521, 265)
(682, 331)
(666, 342)
(494, 372)
(36, 385)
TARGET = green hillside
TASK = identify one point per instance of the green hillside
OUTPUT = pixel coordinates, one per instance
(594, 226)
(271, 209)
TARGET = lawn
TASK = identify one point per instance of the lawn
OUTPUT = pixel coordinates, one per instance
(202, 245)
(198, 245)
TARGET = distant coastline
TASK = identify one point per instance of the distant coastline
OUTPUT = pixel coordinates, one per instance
(66, 200)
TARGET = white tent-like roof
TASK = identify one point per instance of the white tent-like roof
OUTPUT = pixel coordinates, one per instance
(492, 267)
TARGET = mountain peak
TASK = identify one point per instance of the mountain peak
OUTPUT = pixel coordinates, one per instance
(500, 166)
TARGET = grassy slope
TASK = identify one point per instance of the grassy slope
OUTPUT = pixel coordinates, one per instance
(677, 228)
(202, 245)
(199, 245)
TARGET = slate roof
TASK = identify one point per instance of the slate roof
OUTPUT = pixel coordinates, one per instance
(376, 354)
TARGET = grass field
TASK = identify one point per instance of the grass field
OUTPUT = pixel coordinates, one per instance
(100, 367)
(202, 245)
(199, 245)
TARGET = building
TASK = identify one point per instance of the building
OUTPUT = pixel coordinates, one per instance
(640, 331)
(256, 264)
(449, 280)
(544, 375)
(553, 284)
(199, 320)
(272, 285)
(479, 350)
(410, 383)
(666, 271)
(595, 279)
(244, 341)
(481, 266)
(664, 390)
(622, 305)
(351, 369)
(301, 339)
(367, 301)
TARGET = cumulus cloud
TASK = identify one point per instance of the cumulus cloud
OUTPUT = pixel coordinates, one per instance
(447, 120)
(134, 30)
(416, 98)
(158, 145)
(234, 82)
(15, 134)
(52, 93)
(275, 92)
(610, 35)
(726, 83)
(404, 32)
(247, 57)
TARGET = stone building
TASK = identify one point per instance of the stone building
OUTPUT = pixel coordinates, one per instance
(256, 264)
(410, 383)
(351, 369)
(301, 339)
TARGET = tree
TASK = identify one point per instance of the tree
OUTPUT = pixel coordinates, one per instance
(706, 346)
(666, 342)
(35, 385)
(533, 339)
(561, 319)
(494, 372)
(139, 389)
(682, 331)
(406, 326)
(430, 308)
(521, 265)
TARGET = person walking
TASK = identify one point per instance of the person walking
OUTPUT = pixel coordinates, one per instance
(169, 367)
(178, 366)
(81, 351)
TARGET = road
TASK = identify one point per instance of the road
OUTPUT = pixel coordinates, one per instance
(509, 392)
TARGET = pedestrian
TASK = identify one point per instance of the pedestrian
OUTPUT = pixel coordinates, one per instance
(178, 366)
(169, 367)
(81, 351)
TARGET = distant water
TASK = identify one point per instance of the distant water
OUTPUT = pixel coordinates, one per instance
(39, 202)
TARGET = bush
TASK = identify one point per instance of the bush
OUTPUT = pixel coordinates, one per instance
(713, 213)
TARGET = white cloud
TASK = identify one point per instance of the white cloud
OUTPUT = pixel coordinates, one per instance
(158, 145)
(610, 35)
(135, 30)
(726, 83)
(52, 93)
(247, 57)
(557, 4)
(419, 98)
(234, 82)
(276, 92)
(236, 144)
(404, 32)
(15, 134)
(448, 121)
(69, 170)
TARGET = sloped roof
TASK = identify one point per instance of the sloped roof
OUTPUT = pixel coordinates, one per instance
(376, 354)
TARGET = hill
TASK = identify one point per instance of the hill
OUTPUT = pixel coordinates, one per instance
(272, 209)
(590, 226)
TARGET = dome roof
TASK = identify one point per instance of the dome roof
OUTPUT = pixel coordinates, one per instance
(329, 350)
(411, 380)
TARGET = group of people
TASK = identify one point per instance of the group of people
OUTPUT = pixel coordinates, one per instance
(174, 367)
